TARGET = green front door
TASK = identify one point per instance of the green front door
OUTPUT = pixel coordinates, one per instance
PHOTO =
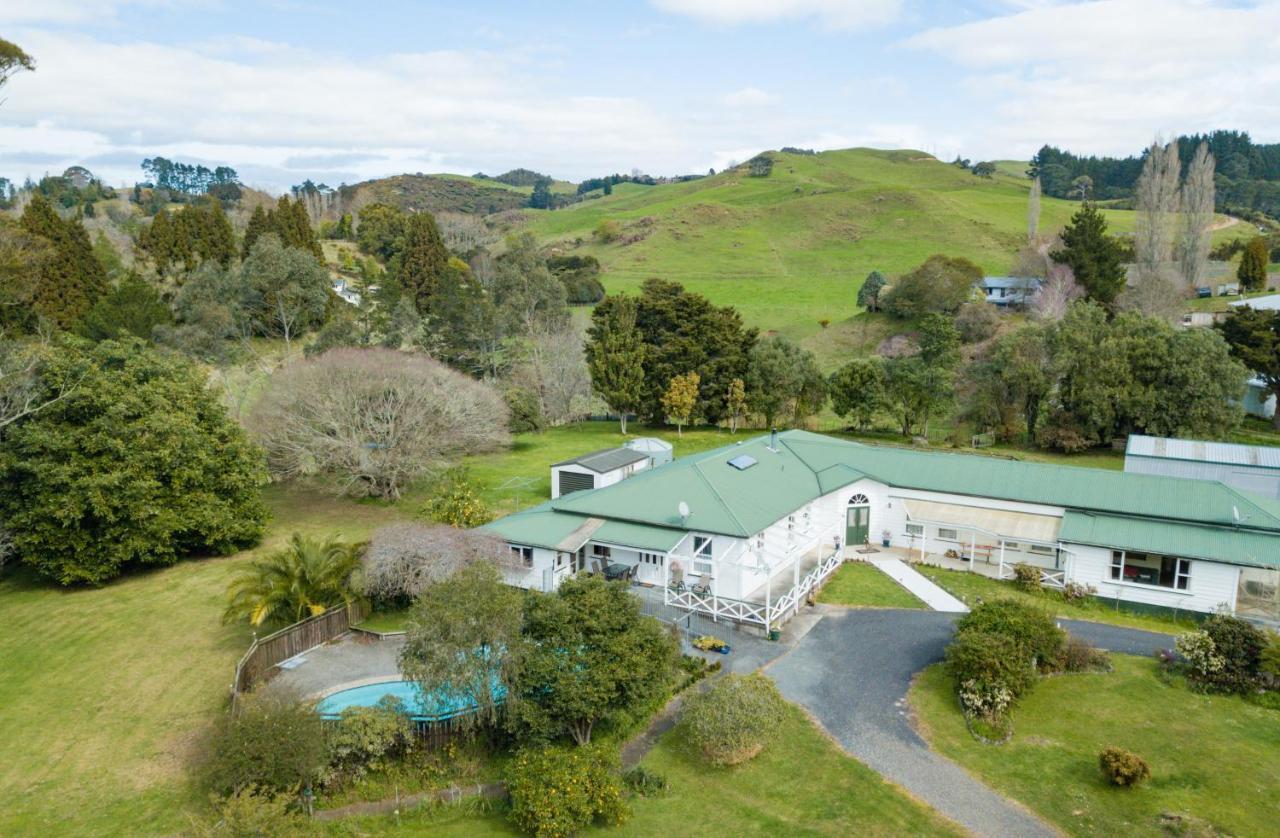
(857, 524)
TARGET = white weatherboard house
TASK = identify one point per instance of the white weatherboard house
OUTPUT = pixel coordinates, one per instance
(746, 531)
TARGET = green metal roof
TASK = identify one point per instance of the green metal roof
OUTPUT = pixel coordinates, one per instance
(1193, 541)
(542, 526)
(642, 511)
(605, 460)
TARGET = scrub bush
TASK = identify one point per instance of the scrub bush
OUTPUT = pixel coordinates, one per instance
(1080, 656)
(645, 783)
(1026, 577)
(456, 502)
(252, 811)
(985, 666)
(1269, 664)
(559, 791)
(732, 721)
(1030, 627)
(1201, 654)
(275, 743)
(1240, 645)
(1123, 768)
(366, 738)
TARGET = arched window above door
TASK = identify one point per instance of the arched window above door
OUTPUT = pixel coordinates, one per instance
(858, 499)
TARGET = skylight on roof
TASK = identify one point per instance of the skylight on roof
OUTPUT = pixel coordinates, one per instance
(742, 462)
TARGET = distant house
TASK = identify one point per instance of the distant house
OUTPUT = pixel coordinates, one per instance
(1254, 468)
(1259, 400)
(596, 470)
(1271, 302)
(1005, 291)
(343, 290)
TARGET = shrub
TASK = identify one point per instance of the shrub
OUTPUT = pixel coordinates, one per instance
(1269, 663)
(455, 501)
(984, 664)
(560, 791)
(1240, 645)
(251, 811)
(1078, 592)
(608, 231)
(1200, 653)
(707, 643)
(977, 322)
(989, 700)
(1026, 576)
(1030, 627)
(274, 743)
(735, 718)
(402, 559)
(1079, 655)
(365, 738)
(645, 783)
(1123, 768)
(525, 413)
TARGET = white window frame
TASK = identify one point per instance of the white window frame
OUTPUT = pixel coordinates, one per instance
(1041, 549)
(702, 547)
(915, 529)
(703, 568)
(1181, 571)
(942, 534)
(523, 554)
(601, 551)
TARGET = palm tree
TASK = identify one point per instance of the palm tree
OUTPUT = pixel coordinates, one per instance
(302, 580)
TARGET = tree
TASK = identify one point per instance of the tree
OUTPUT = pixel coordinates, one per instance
(380, 229)
(1058, 291)
(274, 742)
(463, 641)
(23, 390)
(528, 299)
(857, 390)
(1157, 201)
(421, 260)
(554, 368)
(735, 402)
(306, 578)
(1197, 217)
(941, 284)
(132, 308)
(1006, 387)
(1081, 187)
(731, 722)
(291, 288)
(1033, 210)
(1254, 338)
(541, 196)
(869, 293)
(919, 386)
(777, 377)
(13, 60)
(615, 357)
(1252, 272)
(374, 419)
(258, 224)
(1092, 255)
(404, 559)
(985, 169)
(680, 399)
(460, 328)
(137, 464)
(590, 656)
(24, 259)
(977, 321)
(72, 279)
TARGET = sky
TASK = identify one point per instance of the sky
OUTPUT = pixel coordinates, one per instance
(285, 90)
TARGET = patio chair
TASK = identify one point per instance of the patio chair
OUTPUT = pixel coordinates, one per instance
(702, 588)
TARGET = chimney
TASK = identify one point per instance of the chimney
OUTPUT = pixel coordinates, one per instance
(773, 440)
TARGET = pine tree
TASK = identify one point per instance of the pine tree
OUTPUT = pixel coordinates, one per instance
(259, 223)
(615, 358)
(157, 240)
(1252, 272)
(1093, 256)
(218, 242)
(420, 265)
(73, 279)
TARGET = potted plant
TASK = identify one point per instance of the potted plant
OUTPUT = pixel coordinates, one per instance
(885, 536)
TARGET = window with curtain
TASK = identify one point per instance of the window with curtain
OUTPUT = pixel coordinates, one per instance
(1151, 569)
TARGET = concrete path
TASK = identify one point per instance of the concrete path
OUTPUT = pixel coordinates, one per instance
(852, 671)
(920, 585)
(351, 659)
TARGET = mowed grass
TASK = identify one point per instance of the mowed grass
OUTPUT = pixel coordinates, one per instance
(862, 585)
(1214, 758)
(106, 692)
(800, 785)
(793, 248)
(973, 587)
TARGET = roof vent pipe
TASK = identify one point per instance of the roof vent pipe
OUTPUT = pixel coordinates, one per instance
(773, 440)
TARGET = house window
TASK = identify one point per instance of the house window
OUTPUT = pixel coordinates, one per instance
(1041, 549)
(1151, 569)
(791, 522)
(1011, 545)
(523, 555)
(702, 568)
(655, 559)
(948, 535)
(915, 529)
(702, 546)
(600, 551)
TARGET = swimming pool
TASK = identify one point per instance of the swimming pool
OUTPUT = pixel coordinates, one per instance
(422, 707)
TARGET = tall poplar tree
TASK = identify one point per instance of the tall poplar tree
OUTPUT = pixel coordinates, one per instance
(615, 358)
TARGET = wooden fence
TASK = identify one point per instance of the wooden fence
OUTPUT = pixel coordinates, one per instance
(265, 653)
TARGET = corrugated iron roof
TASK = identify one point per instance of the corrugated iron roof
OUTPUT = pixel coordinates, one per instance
(1193, 541)
(1260, 456)
(605, 460)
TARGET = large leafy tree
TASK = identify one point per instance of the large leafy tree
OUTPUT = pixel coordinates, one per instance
(136, 464)
(380, 230)
(781, 376)
(615, 357)
(590, 656)
(72, 279)
(1093, 256)
(940, 285)
(1006, 387)
(857, 390)
(305, 578)
(918, 387)
(459, 329)
(463, 640)
(290, 287)
(869, 291)
(131, 308)
(13, 60)
(1254, 338)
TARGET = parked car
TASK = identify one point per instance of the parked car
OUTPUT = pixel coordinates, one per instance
(1204, 291)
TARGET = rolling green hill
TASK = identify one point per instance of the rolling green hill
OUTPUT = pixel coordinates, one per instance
(792, 248)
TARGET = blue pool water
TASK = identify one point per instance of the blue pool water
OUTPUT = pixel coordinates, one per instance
(422, 707)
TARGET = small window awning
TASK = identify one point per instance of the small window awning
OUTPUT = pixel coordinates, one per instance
(1010, 526)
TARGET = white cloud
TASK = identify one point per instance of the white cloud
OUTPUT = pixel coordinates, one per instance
(836, 14)
(749, 97)
(63, 12)
(1107, 75)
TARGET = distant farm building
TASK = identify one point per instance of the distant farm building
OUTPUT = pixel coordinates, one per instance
(1005, 291)
(1254, 468)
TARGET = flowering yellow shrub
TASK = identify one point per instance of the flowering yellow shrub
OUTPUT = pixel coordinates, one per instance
(558, 791)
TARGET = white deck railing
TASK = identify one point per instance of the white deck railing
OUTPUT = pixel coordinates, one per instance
(755, 613)
(1048, 578)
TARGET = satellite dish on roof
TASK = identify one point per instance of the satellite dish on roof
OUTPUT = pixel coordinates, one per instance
(683, 509)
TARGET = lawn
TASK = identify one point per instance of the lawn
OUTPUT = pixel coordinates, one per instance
(1214, 758)
(106, 691)
(385, 622)
(801, 785)
(862, 585)
(969, 587)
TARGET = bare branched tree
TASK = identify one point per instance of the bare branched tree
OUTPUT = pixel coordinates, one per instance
(1197, 217)
(554, 368)
(403, 559)
(1056, 293)
(374, 419)
(1033, 211)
